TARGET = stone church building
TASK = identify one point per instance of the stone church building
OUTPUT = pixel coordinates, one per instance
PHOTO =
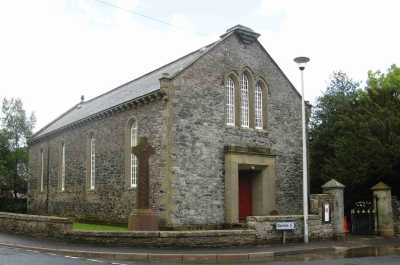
(225, 123)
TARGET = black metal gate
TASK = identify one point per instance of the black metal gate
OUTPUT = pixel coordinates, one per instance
(363, 218)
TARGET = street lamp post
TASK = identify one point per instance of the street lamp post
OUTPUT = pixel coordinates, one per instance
(301, 61)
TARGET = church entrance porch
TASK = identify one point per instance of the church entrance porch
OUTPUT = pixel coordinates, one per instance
(249, 183)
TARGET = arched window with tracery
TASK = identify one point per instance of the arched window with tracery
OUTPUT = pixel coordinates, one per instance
(244, 101)
(230, 102)
(133, 160)
(258, 102)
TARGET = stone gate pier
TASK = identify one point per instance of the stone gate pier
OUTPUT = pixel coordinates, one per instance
(382, 201)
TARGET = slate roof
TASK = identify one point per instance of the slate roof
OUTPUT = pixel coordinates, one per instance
(144, 85)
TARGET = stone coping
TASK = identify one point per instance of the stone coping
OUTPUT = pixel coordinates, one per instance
(35, 218)
(247, 150)
(274, 218)
(165, 234)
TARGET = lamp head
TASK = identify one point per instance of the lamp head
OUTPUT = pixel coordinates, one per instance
(301, 61)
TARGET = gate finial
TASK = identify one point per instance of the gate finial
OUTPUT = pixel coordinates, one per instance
(333, 184)
(381, 186)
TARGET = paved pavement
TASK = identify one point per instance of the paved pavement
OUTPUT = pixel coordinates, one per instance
(352, 247)
(13, 256)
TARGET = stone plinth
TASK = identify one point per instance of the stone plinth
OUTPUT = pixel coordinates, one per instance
(143, 220)
(383, 209)
(336, 188)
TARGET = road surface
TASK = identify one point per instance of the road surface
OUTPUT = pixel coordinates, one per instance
(13, 256)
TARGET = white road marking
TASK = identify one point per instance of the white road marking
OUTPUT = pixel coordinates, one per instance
(95, 260)
(32, 251)
(116, 263)
(71, 257)
(51, 254)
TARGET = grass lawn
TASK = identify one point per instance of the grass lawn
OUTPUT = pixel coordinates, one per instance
(96, 227)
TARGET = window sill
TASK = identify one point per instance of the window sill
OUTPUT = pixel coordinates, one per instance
(247, 129)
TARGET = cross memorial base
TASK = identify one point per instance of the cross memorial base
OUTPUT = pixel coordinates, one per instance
(143, 220)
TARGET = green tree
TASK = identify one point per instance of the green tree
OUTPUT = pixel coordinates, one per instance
(4, 158)
(330, 122)
(17, 129)
(355, 134)
(381, 109)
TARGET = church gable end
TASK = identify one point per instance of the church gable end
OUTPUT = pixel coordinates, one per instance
(235, 95)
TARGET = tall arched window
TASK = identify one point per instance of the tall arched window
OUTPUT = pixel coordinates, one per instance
(41, 170)
(92, 162)
(230, 102)
(244, 101)
(134, 161)
(62, 186)
(258, 97)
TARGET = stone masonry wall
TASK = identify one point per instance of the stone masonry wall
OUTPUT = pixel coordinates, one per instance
(112, 200)
(56, 227)
(266, 231)
(201, 133)
(185, 239)
(34, 225)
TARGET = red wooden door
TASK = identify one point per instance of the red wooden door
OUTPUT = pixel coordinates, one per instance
(245, 204)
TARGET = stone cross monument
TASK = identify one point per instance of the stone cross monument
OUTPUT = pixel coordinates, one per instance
(143, 218)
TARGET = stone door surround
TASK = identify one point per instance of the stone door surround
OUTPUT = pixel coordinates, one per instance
(264, 184)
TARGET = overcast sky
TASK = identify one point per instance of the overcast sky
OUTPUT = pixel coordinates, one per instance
(53, 51)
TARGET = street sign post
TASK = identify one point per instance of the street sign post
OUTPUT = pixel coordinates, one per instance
(284, 226)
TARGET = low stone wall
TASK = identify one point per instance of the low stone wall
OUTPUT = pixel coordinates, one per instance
(205, 238)
(266, 231)
(35, 225)
(261, 231)
(57, 227)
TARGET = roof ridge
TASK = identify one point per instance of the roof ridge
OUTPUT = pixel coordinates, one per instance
(209, 47)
